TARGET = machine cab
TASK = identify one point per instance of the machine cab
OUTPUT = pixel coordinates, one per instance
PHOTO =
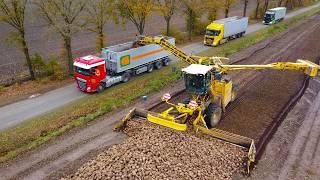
(89, 72)
(214, 33)
(197, 78)
(269, 18)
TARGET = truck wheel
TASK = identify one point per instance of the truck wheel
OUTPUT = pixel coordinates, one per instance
(150, 68)
(158, 65)
(126, 76)
(213, 115)
(100, 88)
(166, 62)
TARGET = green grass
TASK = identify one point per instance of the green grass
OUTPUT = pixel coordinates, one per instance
(234, 46)
(37, 131)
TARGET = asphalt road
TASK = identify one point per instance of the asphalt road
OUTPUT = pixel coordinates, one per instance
(16, 113)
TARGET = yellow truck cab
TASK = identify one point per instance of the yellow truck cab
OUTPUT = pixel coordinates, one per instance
(222, 30)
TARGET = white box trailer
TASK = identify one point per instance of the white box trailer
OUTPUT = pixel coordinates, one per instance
(233, 25)
(132, 57)
(275, 15)
(221, 30)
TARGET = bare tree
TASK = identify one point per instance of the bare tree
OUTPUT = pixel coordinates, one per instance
(266, 5)
(256, 13)
(167, 8)
(280, 2)
(245, 7)
(98, 14)
(227, 5)
(12, 12)
(136, 11)
(63, 16)
(213, 6)
(192, 10)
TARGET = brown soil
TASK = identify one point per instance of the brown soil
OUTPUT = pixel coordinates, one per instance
(294, 150)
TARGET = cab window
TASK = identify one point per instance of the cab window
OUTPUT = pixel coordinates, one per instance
(213, 32)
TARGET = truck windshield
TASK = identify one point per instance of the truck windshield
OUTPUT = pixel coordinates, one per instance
(212, 32)
(268, 17)
(82, 71)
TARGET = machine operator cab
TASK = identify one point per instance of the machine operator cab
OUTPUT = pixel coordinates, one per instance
(89, 72)
(202, 79)
(269, 18)
(214, 33)
(197, 78)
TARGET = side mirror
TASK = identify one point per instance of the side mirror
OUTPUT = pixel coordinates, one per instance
(166, 97)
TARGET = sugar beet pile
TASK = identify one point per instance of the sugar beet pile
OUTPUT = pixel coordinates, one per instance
(155, 152)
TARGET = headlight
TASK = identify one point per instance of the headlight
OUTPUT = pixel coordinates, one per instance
(88, 88)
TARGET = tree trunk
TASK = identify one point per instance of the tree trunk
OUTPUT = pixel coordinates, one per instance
(226, 12)
(27, 55)
(100, 41)
(257, 9)
(168, 26)
(140, 28)
(266, 5)
(280, 3)
(190, 24)
(245, 8)
(67, 45)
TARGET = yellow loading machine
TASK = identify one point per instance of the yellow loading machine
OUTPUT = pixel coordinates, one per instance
(212, 90)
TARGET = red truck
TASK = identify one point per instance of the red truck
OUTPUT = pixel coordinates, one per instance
(118, 64)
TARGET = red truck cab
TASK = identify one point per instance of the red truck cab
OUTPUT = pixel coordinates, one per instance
(89, 73)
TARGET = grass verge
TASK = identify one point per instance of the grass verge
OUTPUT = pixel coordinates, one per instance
(37, 131)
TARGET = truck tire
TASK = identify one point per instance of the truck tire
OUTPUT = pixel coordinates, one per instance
(158, 64)
(150, 68)
(213, 115)
(101, 87)
(166, 62)
(126, 76)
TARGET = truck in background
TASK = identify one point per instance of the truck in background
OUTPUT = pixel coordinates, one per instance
(117, 64)
(275, 15)
(220, 31)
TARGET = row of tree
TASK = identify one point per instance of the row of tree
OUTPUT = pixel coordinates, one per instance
(68, 17)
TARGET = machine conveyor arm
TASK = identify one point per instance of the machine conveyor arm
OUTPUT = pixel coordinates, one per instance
(305, 66)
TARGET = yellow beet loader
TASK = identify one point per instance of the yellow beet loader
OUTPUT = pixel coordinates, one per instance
(211, 88)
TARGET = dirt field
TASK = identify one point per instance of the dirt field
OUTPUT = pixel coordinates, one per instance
(65, 155)
(294, 150)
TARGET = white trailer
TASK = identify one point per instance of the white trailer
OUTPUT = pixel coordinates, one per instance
(275, 15)
(233, 25)
(135, 58)
(222, 30)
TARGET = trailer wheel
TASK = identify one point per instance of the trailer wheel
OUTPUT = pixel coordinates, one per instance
(213, 115)
(166, 62)
(100, 88)
(150, 68)
(126, 76)
(158, 65)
